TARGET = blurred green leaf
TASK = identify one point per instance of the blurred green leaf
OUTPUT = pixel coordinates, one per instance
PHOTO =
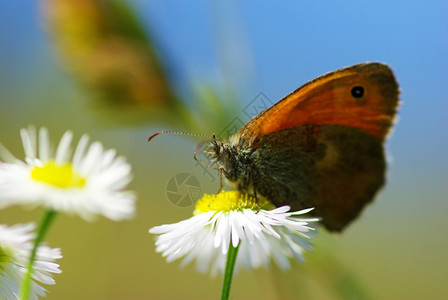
(106, 47)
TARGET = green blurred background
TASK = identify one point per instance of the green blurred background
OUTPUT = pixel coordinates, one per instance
(121, 70)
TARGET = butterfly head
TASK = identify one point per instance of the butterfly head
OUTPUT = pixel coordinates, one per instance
(229, 158)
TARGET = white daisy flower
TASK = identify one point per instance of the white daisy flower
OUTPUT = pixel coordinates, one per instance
(88, 183)
(15, 250)
(230, 217)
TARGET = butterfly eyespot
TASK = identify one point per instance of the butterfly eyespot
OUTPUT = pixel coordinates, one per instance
(357, 91)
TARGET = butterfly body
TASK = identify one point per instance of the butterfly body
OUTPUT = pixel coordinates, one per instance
(321, 146)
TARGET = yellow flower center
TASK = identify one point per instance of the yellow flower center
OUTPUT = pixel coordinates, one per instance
(228, 201)
(59, 175)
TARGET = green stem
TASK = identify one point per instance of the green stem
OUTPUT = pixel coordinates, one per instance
(41, 231)
(230, 265)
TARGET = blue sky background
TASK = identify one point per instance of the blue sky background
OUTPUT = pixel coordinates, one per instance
(270, 47)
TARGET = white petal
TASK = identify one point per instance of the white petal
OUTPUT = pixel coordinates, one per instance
(6, 156)
(80, 150)
(27, 142)
(44, 145)
(303, 211)
(63, 150)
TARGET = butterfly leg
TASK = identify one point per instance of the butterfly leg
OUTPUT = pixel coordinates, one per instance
(251, 176)
(256, 201)
(221, 172)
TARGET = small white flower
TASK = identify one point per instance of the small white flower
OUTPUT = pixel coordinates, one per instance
(230, 217)
(88, 183)
(15, 250)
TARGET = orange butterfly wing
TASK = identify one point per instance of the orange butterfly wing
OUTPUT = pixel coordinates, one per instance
(364, 96)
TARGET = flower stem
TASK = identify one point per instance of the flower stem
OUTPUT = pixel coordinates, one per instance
(230, 265)
(41, 231)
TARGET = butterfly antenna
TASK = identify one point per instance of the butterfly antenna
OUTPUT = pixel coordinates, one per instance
(176, 132)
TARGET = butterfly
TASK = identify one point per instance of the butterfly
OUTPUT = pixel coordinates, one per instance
(321, 146)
